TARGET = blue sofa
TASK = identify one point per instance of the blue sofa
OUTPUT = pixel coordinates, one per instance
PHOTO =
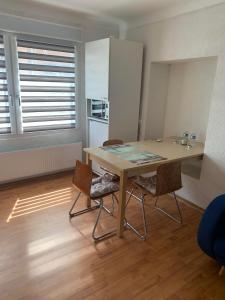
(211, 232)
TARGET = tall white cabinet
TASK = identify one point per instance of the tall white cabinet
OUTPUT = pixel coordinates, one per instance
(113, 70)
(97, 69)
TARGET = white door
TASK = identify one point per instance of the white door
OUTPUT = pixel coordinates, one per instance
(97, 69)
(98, 133)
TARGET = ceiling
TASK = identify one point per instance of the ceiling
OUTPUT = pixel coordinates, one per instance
(125, 13)
(123, 10)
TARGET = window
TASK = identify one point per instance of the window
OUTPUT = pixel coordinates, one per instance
(45, 81)
(5, 124)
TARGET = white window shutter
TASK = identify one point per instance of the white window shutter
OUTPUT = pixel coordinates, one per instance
(47, 80)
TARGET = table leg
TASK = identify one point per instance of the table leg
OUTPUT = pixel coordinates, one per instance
(88, 162)
(122, 203)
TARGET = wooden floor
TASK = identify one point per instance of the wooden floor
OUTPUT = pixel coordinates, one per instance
(44, 256)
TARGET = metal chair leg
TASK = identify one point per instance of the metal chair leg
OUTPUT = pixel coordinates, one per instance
(130, 195)
(127, 224)
(180, 220)
(103, 236)
(127, 202)
(74, 203)
(110, 212)
(71, 214)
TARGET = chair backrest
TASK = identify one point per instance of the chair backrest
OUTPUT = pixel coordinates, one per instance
(168, 178)
(112, 142)
(82, 178)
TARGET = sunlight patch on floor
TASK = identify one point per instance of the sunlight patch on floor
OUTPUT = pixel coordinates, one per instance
(25, 206)
(50, 243)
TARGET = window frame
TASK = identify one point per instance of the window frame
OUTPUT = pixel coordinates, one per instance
(11, 54)
(10, 86)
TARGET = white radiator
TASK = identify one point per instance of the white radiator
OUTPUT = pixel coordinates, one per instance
(32, 162)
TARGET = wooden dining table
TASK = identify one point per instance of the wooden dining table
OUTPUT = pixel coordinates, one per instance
(120, 165)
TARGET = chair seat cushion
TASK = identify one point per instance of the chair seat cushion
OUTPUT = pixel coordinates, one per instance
(148, 183)
(219, 249)
(104, 178)
(103, 185)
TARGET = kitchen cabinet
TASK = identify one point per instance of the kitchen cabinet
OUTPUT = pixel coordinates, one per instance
(113, 71)
(97, 69)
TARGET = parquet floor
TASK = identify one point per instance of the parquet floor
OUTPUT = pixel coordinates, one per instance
(44, 256)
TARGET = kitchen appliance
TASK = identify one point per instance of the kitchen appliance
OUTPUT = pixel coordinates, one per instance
(99, 109)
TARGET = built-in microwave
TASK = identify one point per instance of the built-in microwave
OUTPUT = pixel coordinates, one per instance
(99, 109)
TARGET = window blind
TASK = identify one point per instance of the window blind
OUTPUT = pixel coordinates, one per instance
(5, 126)
(47, 85)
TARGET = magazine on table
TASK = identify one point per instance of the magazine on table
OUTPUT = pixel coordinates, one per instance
(130, 153)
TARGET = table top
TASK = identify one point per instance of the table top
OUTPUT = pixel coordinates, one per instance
(167, 148)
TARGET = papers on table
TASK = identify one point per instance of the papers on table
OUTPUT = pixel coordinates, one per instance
(130, 153)
(119, 149)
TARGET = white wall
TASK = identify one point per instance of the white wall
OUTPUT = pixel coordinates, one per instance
(190, 36)
(158, 90)
(189, 98)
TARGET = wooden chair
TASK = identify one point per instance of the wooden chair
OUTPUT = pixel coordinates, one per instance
(96, 189)
(167, 180)
(112, 142)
